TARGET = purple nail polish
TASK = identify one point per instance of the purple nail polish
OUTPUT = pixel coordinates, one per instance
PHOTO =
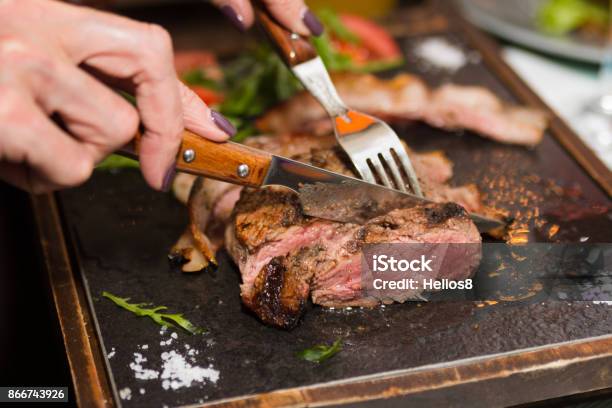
(312, 22)
(222, 123)
(169, 178)
(234, 17)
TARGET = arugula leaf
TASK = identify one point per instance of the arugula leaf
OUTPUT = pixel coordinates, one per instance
(321, 352)
(333, 60)
(333, 24)
(163, 319)
(254, 82)
(378, 66)
(563, 16)
(197, 77)
(244, 131)
(114, 161)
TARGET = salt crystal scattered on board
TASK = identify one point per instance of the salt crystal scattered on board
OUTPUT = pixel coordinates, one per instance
(125, 393)
(140, 372)
(178, 373)
(440, 53)
(111, 354)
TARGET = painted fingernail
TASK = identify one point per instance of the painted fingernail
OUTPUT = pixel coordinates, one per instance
(312, 22)
(169, 178)
(234, 17)
(222, 123)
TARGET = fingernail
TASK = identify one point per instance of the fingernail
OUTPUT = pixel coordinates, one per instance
(169, 178)
(234, 17)
(312, 22)
(222, 123)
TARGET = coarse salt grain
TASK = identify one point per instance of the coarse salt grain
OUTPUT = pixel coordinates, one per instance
(111, 354)
(125, 394)
(140, 372)
(442, 54)
(178, 373)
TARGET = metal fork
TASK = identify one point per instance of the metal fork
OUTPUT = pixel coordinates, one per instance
(373, 147)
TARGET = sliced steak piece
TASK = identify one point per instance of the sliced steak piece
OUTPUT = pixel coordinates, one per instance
(405, 97)
(284, 256)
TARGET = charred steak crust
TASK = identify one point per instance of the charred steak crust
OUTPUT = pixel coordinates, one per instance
(260, 215)
(282, 287)
(279, 296)
(439, 214)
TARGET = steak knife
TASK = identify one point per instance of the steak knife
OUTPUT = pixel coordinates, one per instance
(322, 193)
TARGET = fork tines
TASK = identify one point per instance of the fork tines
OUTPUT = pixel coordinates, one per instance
(376, 152)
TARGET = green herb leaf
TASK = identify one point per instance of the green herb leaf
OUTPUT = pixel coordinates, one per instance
(128, 97)
(253, 83)
(115, 161)
(321, 352)
(163, 319)
(334, 25)
(197, 77)
(378, 66)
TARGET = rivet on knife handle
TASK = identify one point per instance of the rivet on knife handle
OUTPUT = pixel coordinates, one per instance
(292, 47)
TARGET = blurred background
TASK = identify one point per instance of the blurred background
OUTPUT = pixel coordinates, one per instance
(561, 48)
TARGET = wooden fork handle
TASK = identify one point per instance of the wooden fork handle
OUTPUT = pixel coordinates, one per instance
(226, 161)
(293, 48)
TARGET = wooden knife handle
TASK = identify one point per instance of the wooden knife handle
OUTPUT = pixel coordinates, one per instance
(226, 161)
(293, 48)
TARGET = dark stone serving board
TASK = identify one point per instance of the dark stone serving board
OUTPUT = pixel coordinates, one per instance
(121, 232)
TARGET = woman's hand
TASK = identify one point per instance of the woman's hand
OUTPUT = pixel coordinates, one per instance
(293, 14)
(59, 61)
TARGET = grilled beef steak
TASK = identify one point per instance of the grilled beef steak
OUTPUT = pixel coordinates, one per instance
(285, 257)
(406, 97)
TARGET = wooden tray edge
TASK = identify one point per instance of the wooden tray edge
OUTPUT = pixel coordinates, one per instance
(89, 377)
(482, 382)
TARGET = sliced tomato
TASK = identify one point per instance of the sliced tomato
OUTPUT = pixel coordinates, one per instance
(357, 52)
(374, 38)
(209, 96)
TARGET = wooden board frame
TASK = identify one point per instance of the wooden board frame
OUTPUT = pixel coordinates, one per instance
(500, 380)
